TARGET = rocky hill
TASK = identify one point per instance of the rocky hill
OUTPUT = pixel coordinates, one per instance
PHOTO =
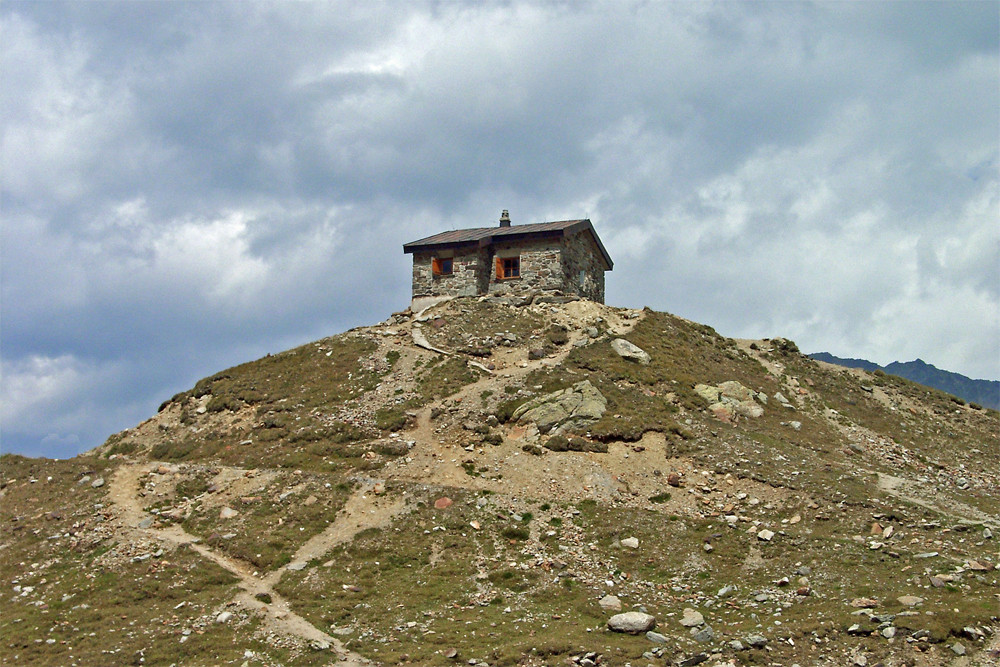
(485, 484)
(982, 392)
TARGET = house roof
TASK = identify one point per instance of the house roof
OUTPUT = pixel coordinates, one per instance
(484, 236)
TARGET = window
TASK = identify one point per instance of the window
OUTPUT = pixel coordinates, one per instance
(508, 267)
(442, 266)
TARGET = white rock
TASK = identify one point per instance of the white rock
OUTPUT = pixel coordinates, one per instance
(628, 351)
(765, 535)
(631, 542)
(692, 618)
(610, 603)
(224, 617)
(632, 622)
(228, 513)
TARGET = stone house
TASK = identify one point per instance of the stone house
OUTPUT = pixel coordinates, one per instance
(549, 258)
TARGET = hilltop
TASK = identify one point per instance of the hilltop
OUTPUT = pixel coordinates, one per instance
(486, 484)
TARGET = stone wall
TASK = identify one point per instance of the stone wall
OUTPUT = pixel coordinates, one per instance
(541, 268)
(464, 280)
(583, 271)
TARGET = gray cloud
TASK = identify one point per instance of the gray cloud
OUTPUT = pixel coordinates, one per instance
(190, 185)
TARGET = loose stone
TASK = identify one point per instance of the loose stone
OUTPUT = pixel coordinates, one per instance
(632, 622)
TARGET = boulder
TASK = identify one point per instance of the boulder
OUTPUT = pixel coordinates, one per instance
(692, 618)
(729, 399)
(610, 603)
(736, 391)
(708, 392)
(632, 622)
(578, 405)
(630, 352)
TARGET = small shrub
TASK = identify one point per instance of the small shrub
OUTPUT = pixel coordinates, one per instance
(494, 439)
(557, 335)
(660, 497)
(275, 421)
(515, 533)
(390, 419)
(220, 403)
(558, 443)
(506, 409)
(392, 448)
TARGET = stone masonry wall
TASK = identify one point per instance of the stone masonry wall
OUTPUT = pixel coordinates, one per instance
(582, 267)
(464, 279)
(541, 267)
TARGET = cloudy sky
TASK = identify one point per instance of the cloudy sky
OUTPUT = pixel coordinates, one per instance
(186, 186)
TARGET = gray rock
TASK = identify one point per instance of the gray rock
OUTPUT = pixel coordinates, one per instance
(146, 523)
(889, 632)
(909, 600)
(630, 542)
(656, 637)
(757, 641)
(578, 405)
(296, 566)
(987, 533)
(632, 622)
(695, 659)
(735, 391)
(610, 603)
(749, 409)
(98, 483)
(630, 352)
(692, 618)
(726, 591)
(737, 645)
(708, 392)
(224, 617)
(705, 634)
(958, 649)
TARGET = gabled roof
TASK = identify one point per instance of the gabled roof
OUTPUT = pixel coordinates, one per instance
(484, 236)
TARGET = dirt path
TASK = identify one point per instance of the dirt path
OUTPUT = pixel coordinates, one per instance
(363, 510)
(919, 495)
(279, 616)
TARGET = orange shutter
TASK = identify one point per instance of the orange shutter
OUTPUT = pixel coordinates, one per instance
(499, 269)
(436, 266)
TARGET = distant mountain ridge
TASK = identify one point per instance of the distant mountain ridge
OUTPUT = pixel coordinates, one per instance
(983, 392)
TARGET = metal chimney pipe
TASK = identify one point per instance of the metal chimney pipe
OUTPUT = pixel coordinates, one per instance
(505, 219)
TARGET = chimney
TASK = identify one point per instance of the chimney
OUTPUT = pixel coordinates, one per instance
(505, 219)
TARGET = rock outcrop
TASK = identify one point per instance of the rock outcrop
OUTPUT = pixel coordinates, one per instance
(731, 398)
(629, 351)
(578, 405)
